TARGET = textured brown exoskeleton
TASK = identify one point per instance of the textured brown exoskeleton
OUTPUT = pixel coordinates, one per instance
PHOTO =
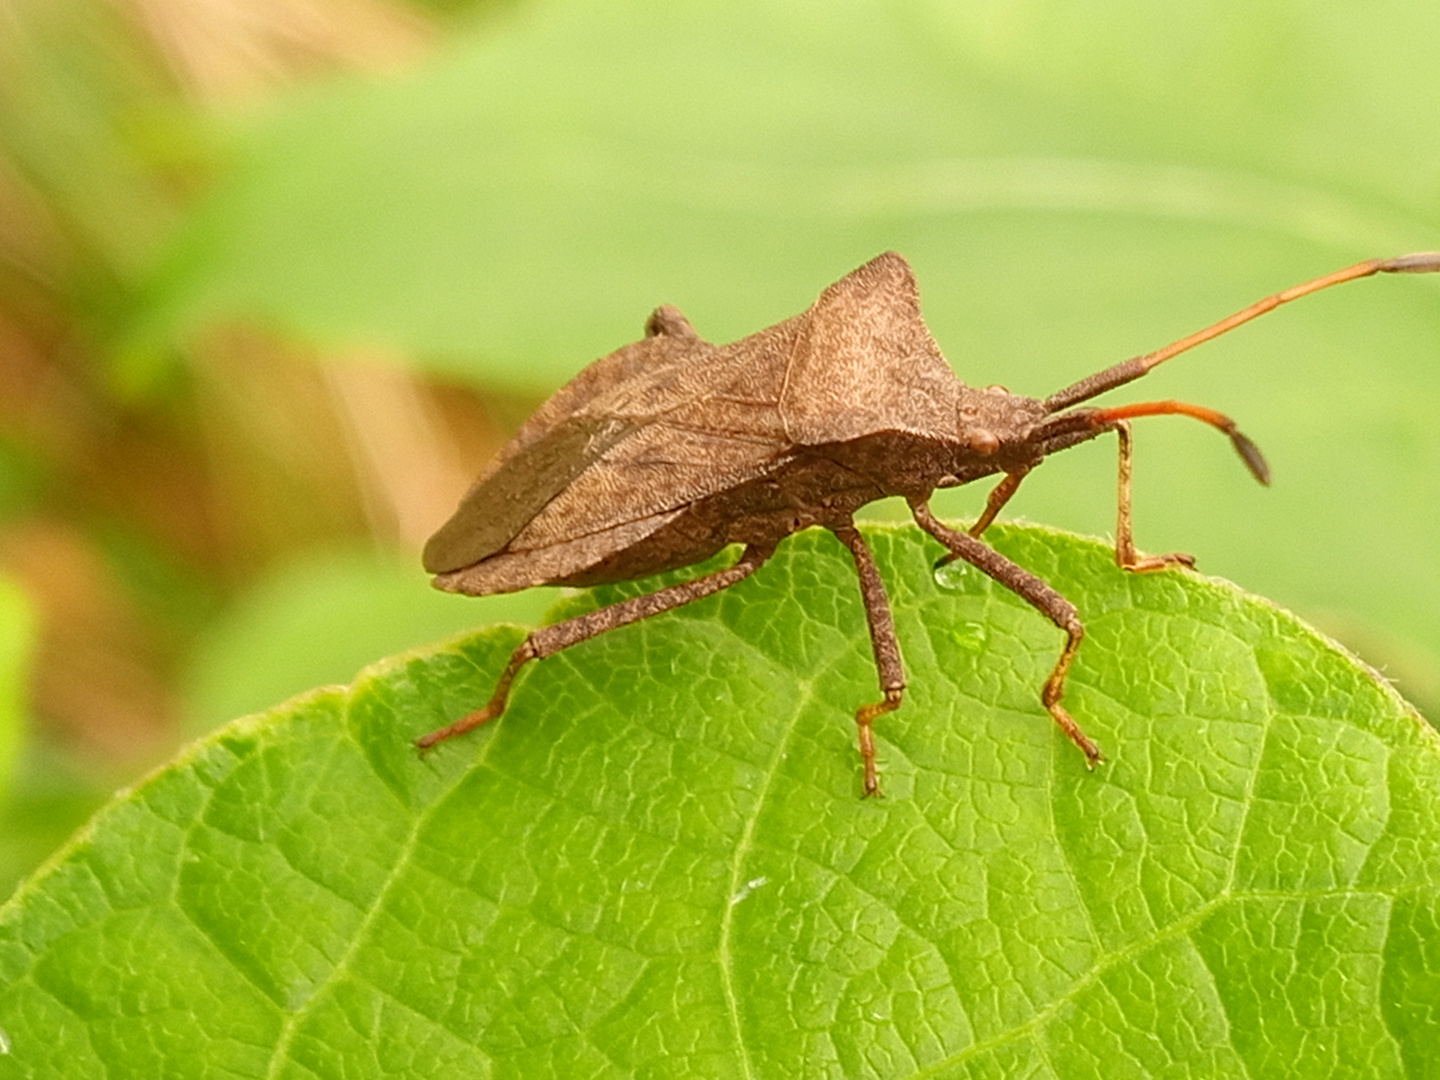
(663, 453)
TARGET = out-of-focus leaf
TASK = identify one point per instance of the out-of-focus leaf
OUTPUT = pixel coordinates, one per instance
(16, 633)
(657, 862)
(39, 806)
(20, 478)
(320, 619)
(73, 77)
(519, 205)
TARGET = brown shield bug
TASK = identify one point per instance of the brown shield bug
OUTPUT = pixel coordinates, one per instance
(663, 453)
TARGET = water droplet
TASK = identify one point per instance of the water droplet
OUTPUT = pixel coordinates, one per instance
(971, 636)
(4, 1043)
(954, 575)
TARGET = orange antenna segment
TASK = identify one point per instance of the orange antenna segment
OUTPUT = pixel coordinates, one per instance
(1248, 451)
(1424, 262)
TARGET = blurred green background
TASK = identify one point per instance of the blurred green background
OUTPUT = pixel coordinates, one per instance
(275, 279)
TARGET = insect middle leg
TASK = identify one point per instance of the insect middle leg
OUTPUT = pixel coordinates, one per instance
(549, 640)
(1041, 597)
(886, 647)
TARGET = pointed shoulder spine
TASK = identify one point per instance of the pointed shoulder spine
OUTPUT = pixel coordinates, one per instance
(864, 362)
(887, 278)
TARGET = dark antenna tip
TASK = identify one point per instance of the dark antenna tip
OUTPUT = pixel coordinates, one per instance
(1250, 454)
(1422, 262)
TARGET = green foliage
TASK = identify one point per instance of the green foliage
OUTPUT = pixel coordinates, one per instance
(526, 199)
(16, 632)
(321, 618)
(35, 817)
(657, 862)
(50, 799)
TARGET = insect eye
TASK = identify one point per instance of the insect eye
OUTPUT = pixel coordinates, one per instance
(984, 442)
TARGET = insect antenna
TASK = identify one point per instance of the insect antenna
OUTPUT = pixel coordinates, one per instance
(1424, 262)
(1248, 451)
(1071, 427)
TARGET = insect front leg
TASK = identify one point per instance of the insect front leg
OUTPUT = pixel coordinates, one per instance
(1041, 597)
(999, 495)
(1126, 557)
(549, 640)
(886, 647)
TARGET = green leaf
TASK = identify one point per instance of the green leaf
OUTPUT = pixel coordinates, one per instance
(657, 863)
(1075, 183)
(320, 617)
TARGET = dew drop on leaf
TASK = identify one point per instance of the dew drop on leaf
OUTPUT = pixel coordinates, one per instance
(955, 575)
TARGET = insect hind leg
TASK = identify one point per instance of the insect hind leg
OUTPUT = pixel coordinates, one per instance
(549, 640)
(493, 708)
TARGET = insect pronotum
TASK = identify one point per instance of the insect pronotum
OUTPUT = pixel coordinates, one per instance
(663, 453)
